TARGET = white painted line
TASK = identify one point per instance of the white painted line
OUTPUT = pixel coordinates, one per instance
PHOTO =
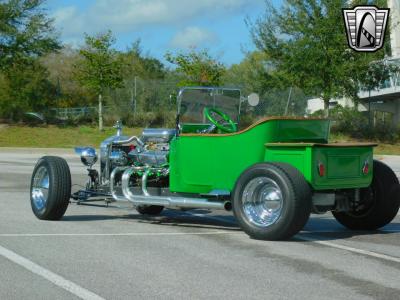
(343, 231)
(50, 276)
(325, 243)
(116, 234)
(350, 249)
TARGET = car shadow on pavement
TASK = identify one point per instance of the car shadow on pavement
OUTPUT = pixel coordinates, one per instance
(317, 228)
(186, 221)
(166, 218)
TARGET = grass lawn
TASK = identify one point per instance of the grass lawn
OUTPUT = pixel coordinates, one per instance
(383, 148)
(69, 137)
(56, 137)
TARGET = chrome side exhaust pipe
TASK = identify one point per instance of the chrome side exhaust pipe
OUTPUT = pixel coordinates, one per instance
(112, 183)
(166, 201)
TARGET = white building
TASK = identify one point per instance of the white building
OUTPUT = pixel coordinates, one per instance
(386, 98)
(394, 6)
(317, 104)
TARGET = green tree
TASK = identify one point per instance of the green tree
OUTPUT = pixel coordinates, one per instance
(255, 74)
(100, 67)
(142, 65)
(25, 88)
(141, 75)
(251, 74)
(197, 68)
(26, 32)
(60, 66)
(306, 44)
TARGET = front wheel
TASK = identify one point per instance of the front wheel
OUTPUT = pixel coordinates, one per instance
(50, 188)
(272, 201)
(379, 203)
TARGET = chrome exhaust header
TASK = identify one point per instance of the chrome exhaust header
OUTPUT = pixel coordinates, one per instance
(112, 183)
(166, 201)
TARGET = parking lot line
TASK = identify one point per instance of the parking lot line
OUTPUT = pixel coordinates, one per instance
(353, 231)
(116, 234)
(48, 275)
(350, 249)
(325, 243)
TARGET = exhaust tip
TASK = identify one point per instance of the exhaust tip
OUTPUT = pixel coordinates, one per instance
(228, 205)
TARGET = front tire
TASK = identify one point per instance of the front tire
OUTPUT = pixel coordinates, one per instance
(379, 203)
(272, 201)
(50, 188)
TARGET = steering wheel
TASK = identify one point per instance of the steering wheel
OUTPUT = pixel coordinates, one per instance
(229, 129)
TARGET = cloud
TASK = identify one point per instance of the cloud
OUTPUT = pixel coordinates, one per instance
(192, 37)
(132, 15)
(67, 21)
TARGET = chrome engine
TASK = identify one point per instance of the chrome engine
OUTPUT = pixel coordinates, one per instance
(144, 158)
(136, 169)
(151, 158)
(156, 149)
(149, 151)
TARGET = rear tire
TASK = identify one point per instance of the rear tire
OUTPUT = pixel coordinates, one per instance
(50, 188)
(379, 202)
(149, 209)
(272, 201)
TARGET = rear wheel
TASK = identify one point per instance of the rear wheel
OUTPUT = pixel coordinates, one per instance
(50, 188)
(149, 209)
(272, 201)
(379, 203)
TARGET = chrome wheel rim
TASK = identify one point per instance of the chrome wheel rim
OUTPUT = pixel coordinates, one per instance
(40, 188)
(262, 201)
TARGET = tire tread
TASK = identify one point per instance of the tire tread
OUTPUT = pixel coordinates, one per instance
(60, 189)
(387, 205)
(299, 212)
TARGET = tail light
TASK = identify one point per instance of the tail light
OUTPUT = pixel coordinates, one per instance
(365, 168)
(321, 169)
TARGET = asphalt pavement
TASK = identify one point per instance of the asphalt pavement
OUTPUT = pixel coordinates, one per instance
(100, 252)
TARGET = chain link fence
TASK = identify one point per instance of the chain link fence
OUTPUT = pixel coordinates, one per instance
(145, 103)
(153, 103)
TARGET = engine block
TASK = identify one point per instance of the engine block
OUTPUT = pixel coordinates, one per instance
(153, 158)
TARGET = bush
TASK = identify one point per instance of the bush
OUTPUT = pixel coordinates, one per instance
(357, 125)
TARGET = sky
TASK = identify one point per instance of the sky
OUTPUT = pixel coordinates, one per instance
(162, 25)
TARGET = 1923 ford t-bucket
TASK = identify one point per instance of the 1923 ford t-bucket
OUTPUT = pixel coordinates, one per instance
(272, 174)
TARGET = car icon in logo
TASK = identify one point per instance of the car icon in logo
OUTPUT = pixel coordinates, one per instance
(365, 27)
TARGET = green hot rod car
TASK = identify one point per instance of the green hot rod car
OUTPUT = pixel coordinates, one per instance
(272, 174)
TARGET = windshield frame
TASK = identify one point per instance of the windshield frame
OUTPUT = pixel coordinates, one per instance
(211, 89)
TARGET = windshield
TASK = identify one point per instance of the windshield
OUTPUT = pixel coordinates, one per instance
(192, 101)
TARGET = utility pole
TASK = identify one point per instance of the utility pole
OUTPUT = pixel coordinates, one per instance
(288, 101)
(369, 108)
(135, 95)
(100, 112)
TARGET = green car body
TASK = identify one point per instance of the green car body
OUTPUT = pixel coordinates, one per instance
(202, 163)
